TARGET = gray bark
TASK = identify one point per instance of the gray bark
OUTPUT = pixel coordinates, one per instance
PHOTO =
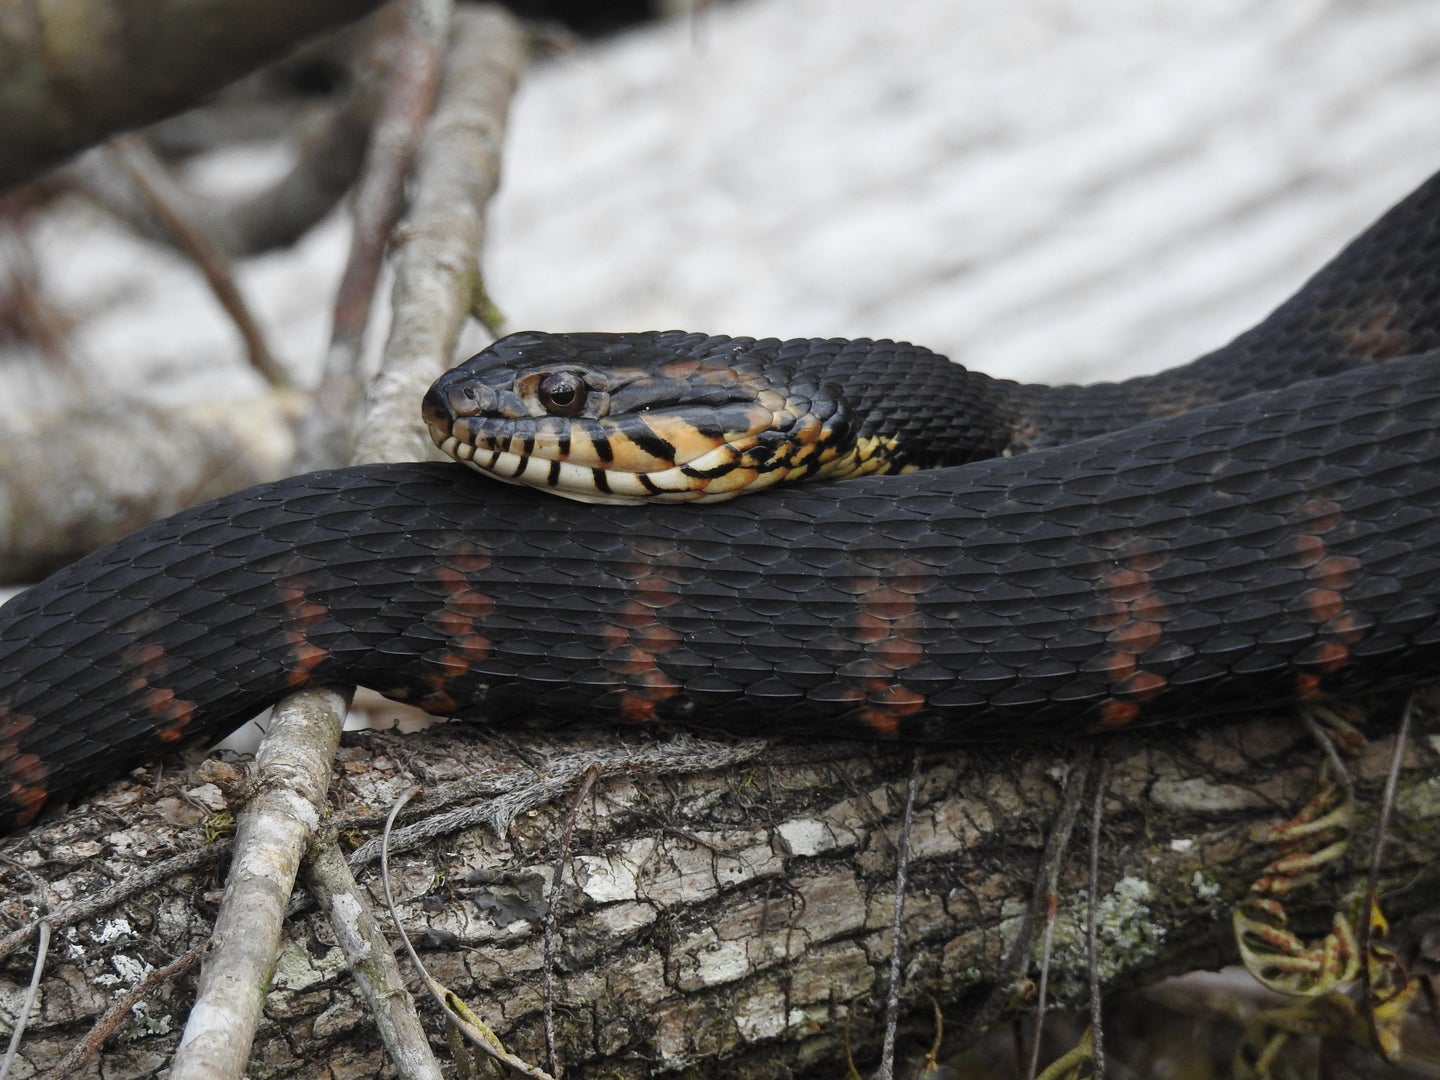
(725, 922)
(74, 72)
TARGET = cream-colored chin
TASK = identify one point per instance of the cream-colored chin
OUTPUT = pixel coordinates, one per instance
(577, 482)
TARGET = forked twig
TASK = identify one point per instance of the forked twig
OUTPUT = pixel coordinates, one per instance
(469, 1026)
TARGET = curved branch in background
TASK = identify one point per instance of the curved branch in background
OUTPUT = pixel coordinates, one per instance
(126, 465)
(75, 71)
(329, 136)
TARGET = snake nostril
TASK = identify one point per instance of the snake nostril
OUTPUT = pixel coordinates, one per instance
(443, 404)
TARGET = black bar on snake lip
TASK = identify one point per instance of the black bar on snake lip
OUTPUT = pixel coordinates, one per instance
(1273, 547)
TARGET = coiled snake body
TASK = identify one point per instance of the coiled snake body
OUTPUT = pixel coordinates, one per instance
(1258, 527)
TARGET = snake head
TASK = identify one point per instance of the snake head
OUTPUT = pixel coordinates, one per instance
(671, 417)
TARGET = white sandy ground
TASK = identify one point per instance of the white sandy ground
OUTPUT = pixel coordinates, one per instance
(1043, 189)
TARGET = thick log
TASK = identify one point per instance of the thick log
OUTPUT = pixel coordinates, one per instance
(729, 920)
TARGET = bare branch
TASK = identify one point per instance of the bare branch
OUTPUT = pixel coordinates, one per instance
(437, 268)
(325, 437)
(292, 773)
(73, 73)
(166, 201)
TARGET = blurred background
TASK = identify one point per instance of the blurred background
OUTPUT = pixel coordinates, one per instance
(1044, 189)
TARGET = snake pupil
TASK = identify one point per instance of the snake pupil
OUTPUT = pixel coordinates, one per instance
(562, 393)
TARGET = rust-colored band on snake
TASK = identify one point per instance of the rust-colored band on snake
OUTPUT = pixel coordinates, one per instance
(1259, 527)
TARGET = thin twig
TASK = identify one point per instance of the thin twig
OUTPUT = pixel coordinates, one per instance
(165, 199)
(120, 1011)
(473, 1032)
(1017, 958)
(375, 207)
(112, 895)
(292, 777)
(1331, 752)
(437, 267)
(27, 1007)
(552, 905)
(1047, 946)
(1372, 881)
(679, 755)
(1092, 920)
(372, 962)
(886, 1069)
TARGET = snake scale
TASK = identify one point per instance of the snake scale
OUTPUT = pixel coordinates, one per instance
(1258, 527)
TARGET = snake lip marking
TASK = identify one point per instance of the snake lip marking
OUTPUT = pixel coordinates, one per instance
(675, 417)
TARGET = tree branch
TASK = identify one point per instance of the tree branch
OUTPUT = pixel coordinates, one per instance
(73, 73)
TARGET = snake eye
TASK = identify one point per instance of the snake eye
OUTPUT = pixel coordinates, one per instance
(563, 393)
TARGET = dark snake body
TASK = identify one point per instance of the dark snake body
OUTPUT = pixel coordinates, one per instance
(1281, 546)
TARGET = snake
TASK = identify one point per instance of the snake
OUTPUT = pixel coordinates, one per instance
(1254, 529)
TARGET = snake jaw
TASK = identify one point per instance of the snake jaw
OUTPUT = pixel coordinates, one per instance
(651, 423)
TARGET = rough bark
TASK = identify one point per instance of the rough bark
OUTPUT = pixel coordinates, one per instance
(722, 922)
(73, 72)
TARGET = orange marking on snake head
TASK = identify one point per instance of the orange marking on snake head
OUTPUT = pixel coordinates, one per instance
(1115, 714)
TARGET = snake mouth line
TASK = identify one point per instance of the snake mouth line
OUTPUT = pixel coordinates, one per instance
(712, 477)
